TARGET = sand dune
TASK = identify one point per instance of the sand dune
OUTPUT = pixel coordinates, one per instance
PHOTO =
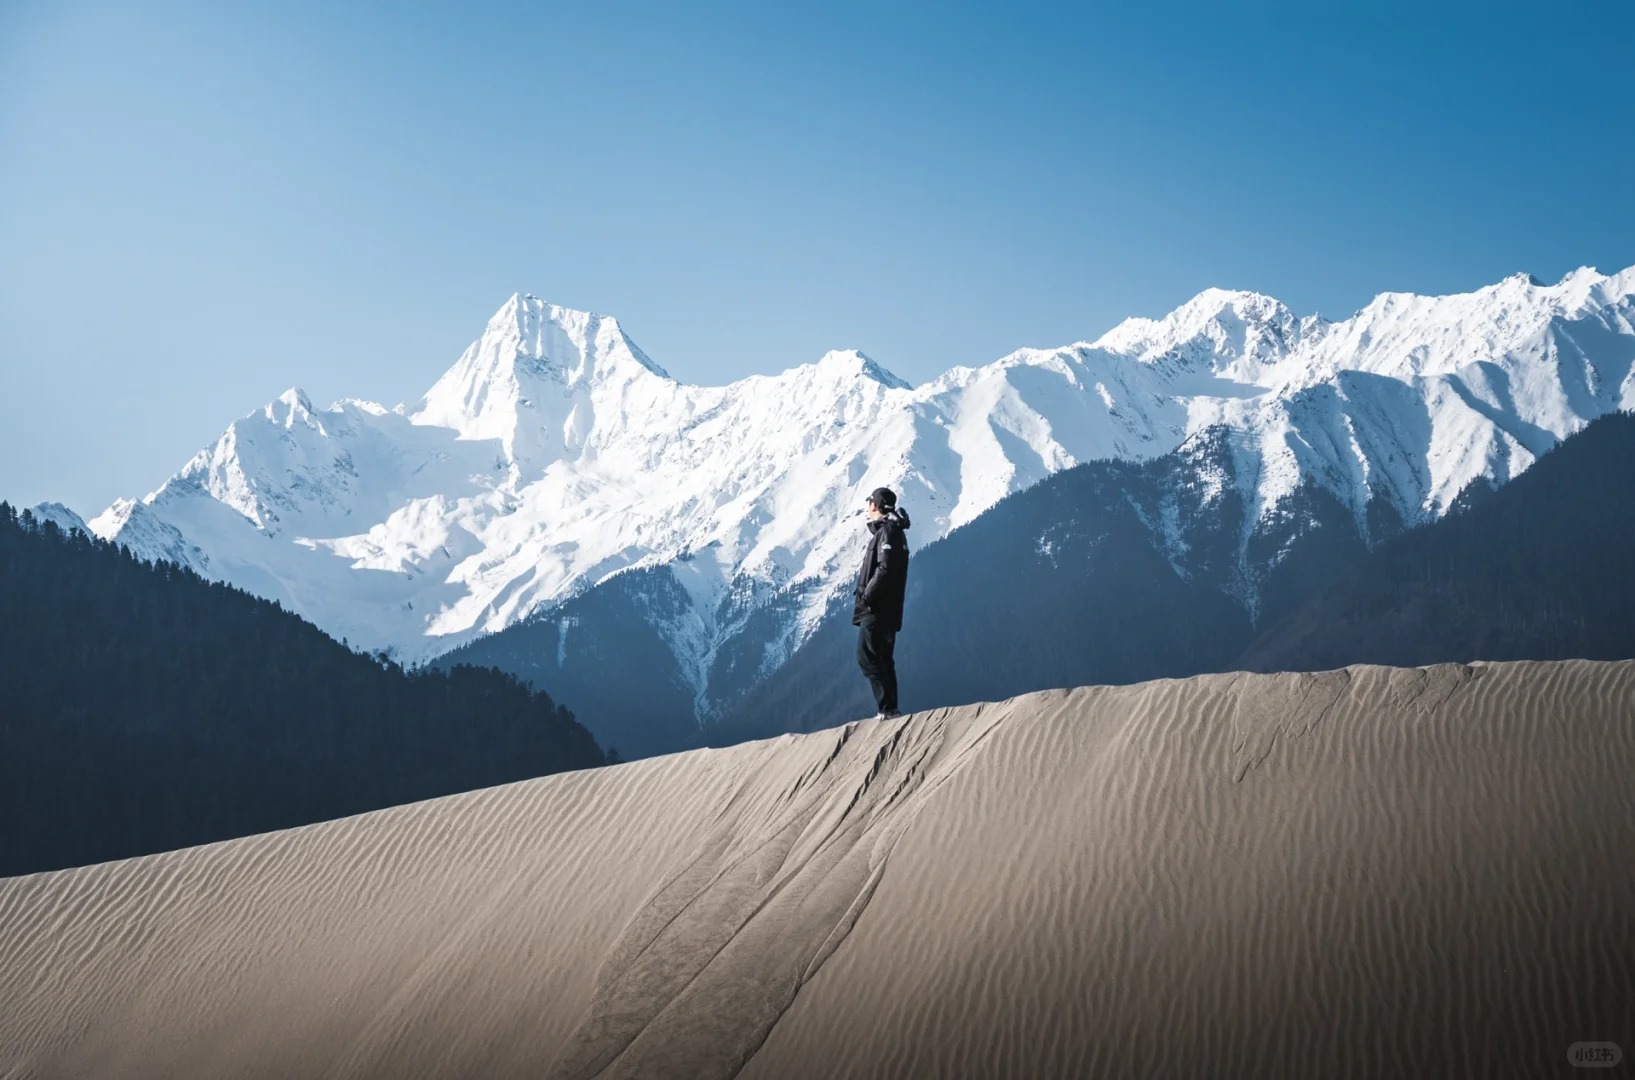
(1368, 872)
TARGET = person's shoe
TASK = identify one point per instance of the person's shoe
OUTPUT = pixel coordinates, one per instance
(890, 714)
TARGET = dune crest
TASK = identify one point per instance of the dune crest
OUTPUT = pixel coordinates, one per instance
(1365, 872)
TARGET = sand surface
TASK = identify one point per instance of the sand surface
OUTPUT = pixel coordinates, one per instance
(1369, 872)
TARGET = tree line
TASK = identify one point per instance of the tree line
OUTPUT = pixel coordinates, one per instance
(145, 708)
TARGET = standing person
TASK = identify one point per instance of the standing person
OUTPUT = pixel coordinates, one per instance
(878, 608)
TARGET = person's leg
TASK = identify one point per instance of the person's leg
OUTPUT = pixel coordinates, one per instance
(868, 659)
(885, 650)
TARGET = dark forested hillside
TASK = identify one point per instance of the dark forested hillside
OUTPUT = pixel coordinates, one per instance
(603, 647)
(143, 708)
(1541, 569)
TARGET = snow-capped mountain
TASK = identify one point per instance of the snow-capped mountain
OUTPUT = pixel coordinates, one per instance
(65, 519)
(1078, 587)
(555, 454)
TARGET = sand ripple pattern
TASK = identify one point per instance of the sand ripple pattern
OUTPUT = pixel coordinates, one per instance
(1366, 872)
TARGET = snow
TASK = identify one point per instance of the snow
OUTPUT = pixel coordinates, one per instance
(554, 453)
(65, 519)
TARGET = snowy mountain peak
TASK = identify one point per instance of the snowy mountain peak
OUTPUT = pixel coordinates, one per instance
(558, 341)
(853, 364)
(65, 518)
(1514, 321)
(538, 369)
(1210, 309)
(1584, 276)
(1220, 331)
(1213, 303)
(290, 408)
(136, 525)
(1522, 287)
(111, 521)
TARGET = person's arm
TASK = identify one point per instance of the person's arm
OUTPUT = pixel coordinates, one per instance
(897, 564)
(879, 573)
(891, 560)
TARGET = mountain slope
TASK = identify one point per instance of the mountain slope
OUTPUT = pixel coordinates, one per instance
(555, 455)
(1068, 583)
(608, 646)
(1110, 572)
(1538, 570)
(143, 709)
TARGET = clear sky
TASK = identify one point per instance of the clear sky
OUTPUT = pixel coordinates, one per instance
(204, 204)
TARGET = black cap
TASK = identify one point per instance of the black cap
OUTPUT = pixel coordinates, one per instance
(883, 498)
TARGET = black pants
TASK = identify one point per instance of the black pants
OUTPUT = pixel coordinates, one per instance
(874, 655)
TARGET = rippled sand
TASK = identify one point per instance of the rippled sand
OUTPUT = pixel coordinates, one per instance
(1369, 872)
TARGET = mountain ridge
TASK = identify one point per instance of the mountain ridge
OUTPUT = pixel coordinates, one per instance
(1077, 587)
(554, 454)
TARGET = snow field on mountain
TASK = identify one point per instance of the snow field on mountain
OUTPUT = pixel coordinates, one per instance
(554, 453)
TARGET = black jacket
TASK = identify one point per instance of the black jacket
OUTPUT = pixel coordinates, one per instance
(884, 573)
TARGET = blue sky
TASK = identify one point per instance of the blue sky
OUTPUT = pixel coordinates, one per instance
(203, 204)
